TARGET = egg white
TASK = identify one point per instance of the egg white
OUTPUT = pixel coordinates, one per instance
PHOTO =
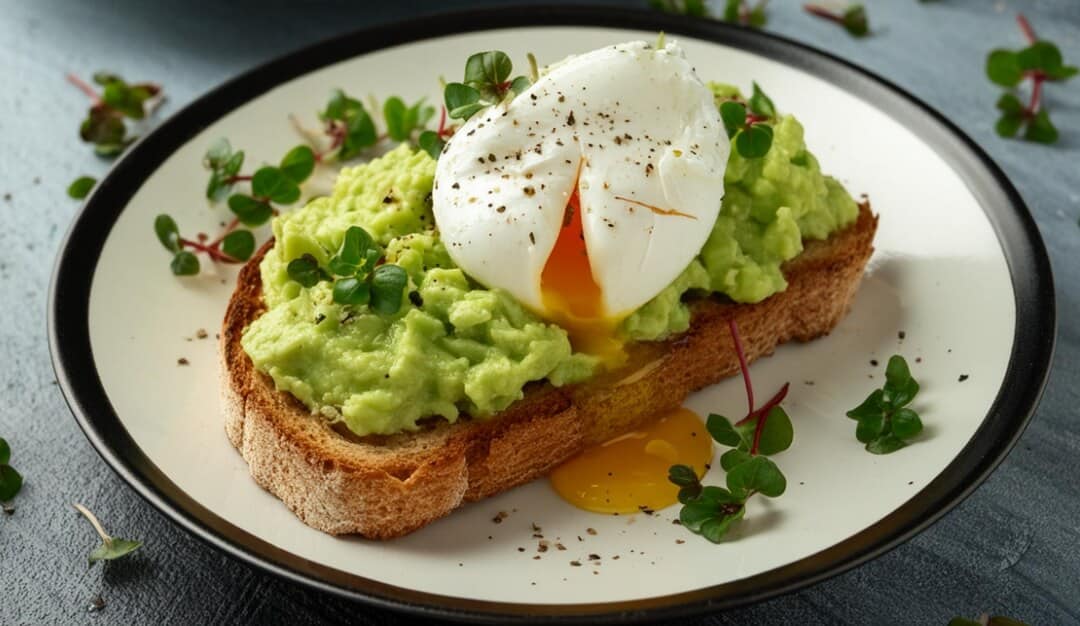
(637, 131)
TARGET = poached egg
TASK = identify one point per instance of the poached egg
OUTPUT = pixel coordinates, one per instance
(588, 193)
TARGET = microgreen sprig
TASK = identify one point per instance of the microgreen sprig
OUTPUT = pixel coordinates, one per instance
(853, 18)
(11, 481)
(741, 12)
(1040, 62)
(748, 123)
(111, 548)
(81, 186)
(104, 125)
(710, 511)
(884, 419)
(357, 276)
(690, 8)
(487, 83)
(232, 246)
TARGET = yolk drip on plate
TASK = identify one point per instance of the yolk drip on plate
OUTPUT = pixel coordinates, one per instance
(572, 297)
(630, 473)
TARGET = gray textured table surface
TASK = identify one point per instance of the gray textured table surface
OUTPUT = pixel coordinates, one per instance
(1013, 547)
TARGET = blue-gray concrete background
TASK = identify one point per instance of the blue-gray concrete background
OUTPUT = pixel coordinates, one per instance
(1013, 547)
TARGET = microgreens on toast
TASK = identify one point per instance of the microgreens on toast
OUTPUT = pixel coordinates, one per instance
(1040, 62)
(710, 511)
(749, 123)
(885, 421)
(111, 548)
(853, 18)
(487, 82)
(358, 277)
(10, 480)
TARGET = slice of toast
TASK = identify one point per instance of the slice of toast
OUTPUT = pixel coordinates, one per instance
(386, 486)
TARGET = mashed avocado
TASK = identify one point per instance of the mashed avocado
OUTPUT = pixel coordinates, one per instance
(463, 348)
(457, 347)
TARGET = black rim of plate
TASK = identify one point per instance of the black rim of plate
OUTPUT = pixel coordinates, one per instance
(1025, 377)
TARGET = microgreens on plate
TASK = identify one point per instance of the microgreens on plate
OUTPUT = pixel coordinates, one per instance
(1040, 62)
(487, 82)
(358, 277)
(885, 421)
(710, 511)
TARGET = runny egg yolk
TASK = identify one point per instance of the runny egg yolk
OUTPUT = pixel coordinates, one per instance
(630, 473)
(571, 296)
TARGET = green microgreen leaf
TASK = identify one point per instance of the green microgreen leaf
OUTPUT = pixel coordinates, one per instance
(760, 104)
(10, 480)
(298, 164)
(734, 116)
(886, 444)
(103, 126)
(430, 142)
(855, 21)
(486, 72)
(394, 113)
(1041, 55)
(360, 134)
(184, 263)
(900, 388)
(1003, 68)
(250, 211)
(1008, 125)
(111, 548)
(352, 291)
(870, 428)
(754, 142)
(239, 244)
(5, 453)
(1009, 103)
(758, 475)
(167, 232)
(716, 528)
(906, 423)
(462, 101)
(81, 186)
(520, 84)
(680, 475)
(690, 8)
(722, 431)
(884, 423)
(732, 458)
(777, 433)
(305, 270)
(271, 183)
(873, 405)
(126, 99)
(352, 253)
(388, 284)
(217, 154)
(1040, 129)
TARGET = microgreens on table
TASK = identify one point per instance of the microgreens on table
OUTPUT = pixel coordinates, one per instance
(709, 510)
(1039, 62)
(884, 419)
(748, 123)
(111, 548)
(357, 276)
(10, 480)
(690, 8)
(105, 126)
(741, 12)
(487, 83)
(986, 620)
(853, 18)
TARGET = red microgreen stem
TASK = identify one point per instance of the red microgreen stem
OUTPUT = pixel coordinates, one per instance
(820, 11)
(760, 414)
(443, 130)
(85, 88)
(1037, 76)
(213, 249)
(1025, 27)
(228, 229)
(236, 179)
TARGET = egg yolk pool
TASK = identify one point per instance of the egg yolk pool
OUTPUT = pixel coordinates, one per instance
(630, 473)
(572, 297)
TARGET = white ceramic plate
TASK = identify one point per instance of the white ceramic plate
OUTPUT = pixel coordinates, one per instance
(959, 270)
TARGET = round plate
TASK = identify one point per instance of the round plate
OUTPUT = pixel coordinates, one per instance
(960, 284)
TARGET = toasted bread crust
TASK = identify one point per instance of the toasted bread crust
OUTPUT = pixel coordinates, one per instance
(387, 486)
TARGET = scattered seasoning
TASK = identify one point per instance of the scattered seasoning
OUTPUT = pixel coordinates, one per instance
(542, 546)
(201, 334)
(9, 508)
(570, 119)
(963, 377)
(874, 362)
(536, 558)
(591, 531)
(97, 604)
(499, 517)
(808, 383)
(575, 563)
(182, 361)
(416, 298)
(560, 546)
(594, 557)
(520, 549)
(918, 359)
(901, 335)
(319, 319)
(679, 541)
(532, 238)
(7, 197)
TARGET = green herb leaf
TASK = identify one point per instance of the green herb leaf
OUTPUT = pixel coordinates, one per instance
(217, 154)
(81, 186)
(777, 434)
(873, 405)
(462, 101)
(1003, 68)
(689, 493)
(352, 253)
(184, 263)
(757, 18)
(125, 99)
(249, 211)
(352, 291)
(388, 283)
(109, 150)
(520, 84)
(239, 244)
(360, 134)
(114, 549)
(305, 270)
(732, 9)
(906, 423)
(11, 482)
(103, 126)
(758, 475)
(885, 445)
(734, 116)
(167, 232)
(760, 104)
(5, 454)
(855, 21)
(1009, 103)
(870, 428)
(486, 72)
(681, 475)
(430, 142)
(394, 114)
(690, 8)
(1062, 72)
(900, 388)
(1040, 129)
(732, 458)
(1008, 125)
(722, 431)
(340, 107)
(298, 164)
(270, 182)
(716, 528)
(754, 142)
(1041, 55)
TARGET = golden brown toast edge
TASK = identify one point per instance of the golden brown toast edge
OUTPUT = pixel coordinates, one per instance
(388, 486)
